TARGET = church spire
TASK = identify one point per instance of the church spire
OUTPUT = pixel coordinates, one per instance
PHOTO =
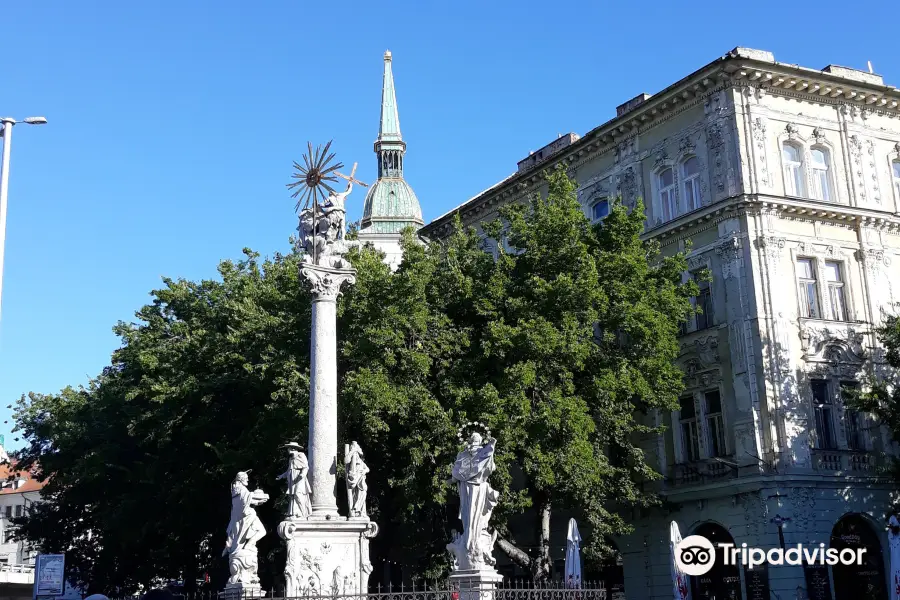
(389, 146)
(390, 120)
(391, 205)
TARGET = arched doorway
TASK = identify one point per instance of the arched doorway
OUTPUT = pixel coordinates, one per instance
(852, 582)
(723, 582)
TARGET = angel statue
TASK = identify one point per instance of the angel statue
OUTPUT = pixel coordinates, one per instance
(244, 531)
(356, 480)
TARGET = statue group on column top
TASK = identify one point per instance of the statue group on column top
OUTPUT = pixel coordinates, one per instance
(473, 549)
(323, 232)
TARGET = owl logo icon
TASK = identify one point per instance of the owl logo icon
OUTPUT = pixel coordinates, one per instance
(695, 555)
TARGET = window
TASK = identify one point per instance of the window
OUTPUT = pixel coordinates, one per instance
(822, 406)
(852, 418)
(18, 510)
(667, 194)
(8, 512)
(8, 535)
(690, 435)
(599, 209)
(809, 295)
(703, 301)
(821, 189)
(715, 424)
(793, 170)
(834, 281)
(895, 166)
(691, 170)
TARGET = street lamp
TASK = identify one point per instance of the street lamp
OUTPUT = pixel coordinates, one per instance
(8, 123)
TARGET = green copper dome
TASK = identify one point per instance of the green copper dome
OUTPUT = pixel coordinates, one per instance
(390, 204)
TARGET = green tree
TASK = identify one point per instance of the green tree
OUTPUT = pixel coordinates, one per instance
(559, 346)
(882, 398)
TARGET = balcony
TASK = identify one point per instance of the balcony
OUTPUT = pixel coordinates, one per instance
(701, 472)
(847, 462)
(21, 574)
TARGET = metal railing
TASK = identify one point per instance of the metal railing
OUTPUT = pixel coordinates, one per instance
(507, 590)
(7, 568)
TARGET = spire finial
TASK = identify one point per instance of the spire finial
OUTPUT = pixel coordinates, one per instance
(387, 56)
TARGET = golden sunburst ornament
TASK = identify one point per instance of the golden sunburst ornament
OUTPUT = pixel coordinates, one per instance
(313, 176)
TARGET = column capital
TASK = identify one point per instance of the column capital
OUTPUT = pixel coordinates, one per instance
(326, 282)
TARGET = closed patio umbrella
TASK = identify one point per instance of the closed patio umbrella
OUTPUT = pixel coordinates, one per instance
(894, 545)
(679, 579)
(573, 556)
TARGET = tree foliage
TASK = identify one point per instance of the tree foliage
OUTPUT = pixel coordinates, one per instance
(559, 345)
(882, 398)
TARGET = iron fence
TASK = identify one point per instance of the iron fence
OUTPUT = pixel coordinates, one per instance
(506, 590)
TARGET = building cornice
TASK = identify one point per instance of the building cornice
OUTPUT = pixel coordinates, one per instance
(740, 68)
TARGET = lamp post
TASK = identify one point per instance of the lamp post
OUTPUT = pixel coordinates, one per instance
(8, 123)
(779, 522)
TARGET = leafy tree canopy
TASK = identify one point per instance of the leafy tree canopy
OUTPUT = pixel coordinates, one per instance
(559, 344)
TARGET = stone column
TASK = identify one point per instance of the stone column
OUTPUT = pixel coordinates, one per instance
(323, 444)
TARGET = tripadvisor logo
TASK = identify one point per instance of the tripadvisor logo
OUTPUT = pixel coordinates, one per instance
(695, 555)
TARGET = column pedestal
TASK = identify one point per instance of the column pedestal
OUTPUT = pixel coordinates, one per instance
(239, 591)
(327, 557)
(475, 584)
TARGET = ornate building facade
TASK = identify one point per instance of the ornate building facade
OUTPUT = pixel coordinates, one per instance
(391, 205)
(786, 182)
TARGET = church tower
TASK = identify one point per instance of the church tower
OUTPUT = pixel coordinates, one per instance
(391, 205)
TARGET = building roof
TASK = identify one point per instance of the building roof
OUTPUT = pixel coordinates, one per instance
(8, 477)
(746, 66)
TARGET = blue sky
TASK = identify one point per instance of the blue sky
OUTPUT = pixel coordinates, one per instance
(173, 125)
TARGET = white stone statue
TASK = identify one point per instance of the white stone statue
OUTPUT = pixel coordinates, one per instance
(297, 477)
(477, 499)
(244, 530)
(323, 232)
(356, 480)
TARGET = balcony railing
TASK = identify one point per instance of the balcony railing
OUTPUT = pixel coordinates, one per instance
(847, 462)
(700, 472)
(22, 574)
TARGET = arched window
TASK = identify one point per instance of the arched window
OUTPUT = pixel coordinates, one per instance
(896, 168)
(691, 172)
(821, 189)
(667, 194)
(792, 158)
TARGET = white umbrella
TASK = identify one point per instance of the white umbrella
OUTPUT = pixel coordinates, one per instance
(573, 556)
(679, 579)
(894, 545)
